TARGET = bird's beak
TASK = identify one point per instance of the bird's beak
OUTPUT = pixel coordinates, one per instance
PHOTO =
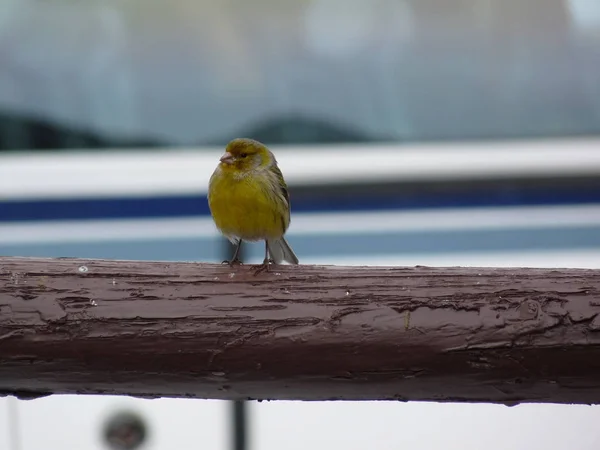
(227, 158)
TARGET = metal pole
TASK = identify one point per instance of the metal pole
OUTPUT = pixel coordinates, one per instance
(239, 425)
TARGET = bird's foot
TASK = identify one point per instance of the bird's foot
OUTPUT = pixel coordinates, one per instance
(233, 262)
(264, 267)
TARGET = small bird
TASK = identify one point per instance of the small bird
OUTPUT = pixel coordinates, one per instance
(249, 200)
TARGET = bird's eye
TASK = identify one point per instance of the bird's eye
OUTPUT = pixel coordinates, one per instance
(243, 155)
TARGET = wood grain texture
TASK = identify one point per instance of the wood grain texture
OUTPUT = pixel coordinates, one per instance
(154, 329)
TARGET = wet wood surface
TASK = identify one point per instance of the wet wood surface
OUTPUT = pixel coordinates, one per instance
(180, 329)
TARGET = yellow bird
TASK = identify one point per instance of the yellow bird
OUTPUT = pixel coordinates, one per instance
(249, 200)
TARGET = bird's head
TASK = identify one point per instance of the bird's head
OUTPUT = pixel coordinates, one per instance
(245, 155)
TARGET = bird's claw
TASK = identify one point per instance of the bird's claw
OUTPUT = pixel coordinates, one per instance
(264, 267)
(232, 263)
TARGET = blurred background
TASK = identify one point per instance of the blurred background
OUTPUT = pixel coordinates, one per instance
(454, 132)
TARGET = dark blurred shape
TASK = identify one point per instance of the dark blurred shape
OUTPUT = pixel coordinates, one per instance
(305, 130)
(19, 132)
(125, 431)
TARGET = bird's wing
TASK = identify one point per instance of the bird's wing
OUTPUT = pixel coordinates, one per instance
(281, 183)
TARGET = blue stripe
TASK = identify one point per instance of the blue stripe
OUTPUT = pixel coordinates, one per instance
(194, 205)
(399, 243)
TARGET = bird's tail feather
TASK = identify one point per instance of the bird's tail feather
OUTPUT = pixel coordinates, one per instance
(280, 251)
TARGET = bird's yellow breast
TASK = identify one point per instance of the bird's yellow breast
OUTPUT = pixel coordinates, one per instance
(246, 207)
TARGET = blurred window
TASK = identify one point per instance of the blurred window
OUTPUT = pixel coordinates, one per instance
(148, 73)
